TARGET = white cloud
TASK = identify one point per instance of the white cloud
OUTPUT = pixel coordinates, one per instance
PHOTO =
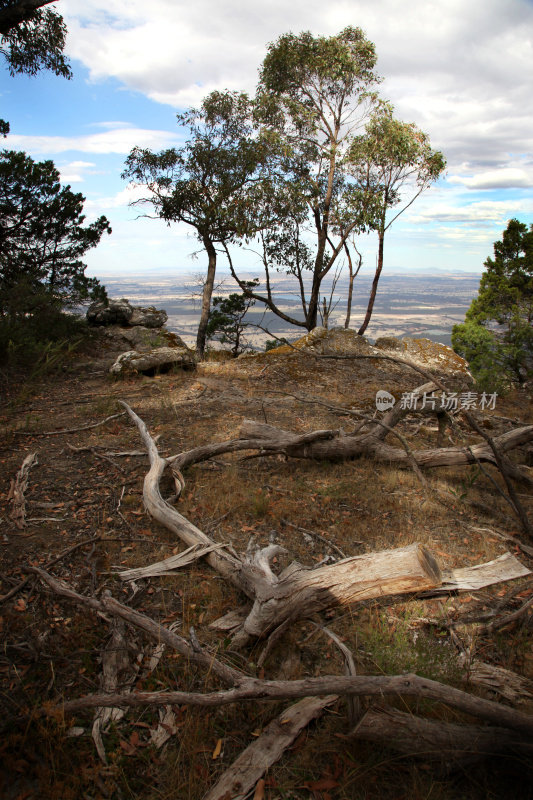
(459, 71)
(75, 171)
(493, 211)
(119, 140)
(505, 178)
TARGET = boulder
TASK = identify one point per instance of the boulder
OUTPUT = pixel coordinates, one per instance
(148, 317)
(121, 312)
(141, 339)
(112, 312)
(160, 359)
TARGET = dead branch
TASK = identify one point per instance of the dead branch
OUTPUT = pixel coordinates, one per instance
(17, 489)
(108, 605)
(502, 464)
(297, 592)
(502, 622)
(409, 685)
(354, 704)
(238, 780)
(71, 430)
(49, 564)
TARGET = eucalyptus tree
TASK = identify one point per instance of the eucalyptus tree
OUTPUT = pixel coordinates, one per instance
(32, 38)
(205, 182)
(391, 159)
(315, 95)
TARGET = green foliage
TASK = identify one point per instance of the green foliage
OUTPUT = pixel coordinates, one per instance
(396, 647)
(226, 319)
(271, 344)
(325, 179)
(38, 344)
(32, 38)
(497, 335)
(204, 183)
(42, 239)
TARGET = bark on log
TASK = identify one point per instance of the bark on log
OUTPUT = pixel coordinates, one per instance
(343, 447)
(376, 686)
(443, 743)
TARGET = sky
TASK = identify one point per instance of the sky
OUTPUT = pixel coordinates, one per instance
(462, 72)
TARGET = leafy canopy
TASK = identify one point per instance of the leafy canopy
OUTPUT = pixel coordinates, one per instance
(203, 183)
(42, 238)
(32, 37)
(227, 319)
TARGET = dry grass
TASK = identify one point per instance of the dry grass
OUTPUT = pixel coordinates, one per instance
(53, 649)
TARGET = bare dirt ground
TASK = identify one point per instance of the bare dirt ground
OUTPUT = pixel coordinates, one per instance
(84, 521)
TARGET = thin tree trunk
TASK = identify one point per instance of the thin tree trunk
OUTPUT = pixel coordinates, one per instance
(353, 276)
(375, 282)
(206, 297)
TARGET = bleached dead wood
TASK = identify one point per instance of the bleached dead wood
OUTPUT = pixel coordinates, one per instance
(71, 430)
(512, 687)
(119, 671)
(373, 686)
(169, 565)
(444, 743)
(238, 780)
(300, 592)
(297, 592)
(343, 447)
(504, 568)
(16, 494)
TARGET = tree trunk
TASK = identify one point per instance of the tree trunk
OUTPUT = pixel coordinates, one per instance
(353, 276)
(206, 296)
(375, 282)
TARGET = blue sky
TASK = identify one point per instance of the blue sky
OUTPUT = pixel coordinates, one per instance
(461, 72)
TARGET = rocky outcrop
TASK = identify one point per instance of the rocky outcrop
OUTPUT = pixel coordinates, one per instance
(426, 354)
(160, 359)
(342, 341)
(328, 341)
(140, 338)
(121, 312)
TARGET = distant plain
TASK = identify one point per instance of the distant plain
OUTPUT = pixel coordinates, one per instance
(410, 304)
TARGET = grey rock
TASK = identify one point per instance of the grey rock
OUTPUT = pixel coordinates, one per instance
(148, 317)
(114, 312)
(142, 339)
(427, 354)
(160, 359)
(121, 312)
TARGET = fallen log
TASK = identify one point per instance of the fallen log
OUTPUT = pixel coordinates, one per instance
(17, 489)
(342, 447)
(444, 743)
(298, 591)
(301, 592)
